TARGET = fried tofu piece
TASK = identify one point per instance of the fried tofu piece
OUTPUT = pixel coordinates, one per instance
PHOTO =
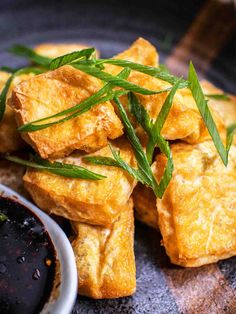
(10, 139)
(141, 51)
(197, 213)
(53, 50)
(55, 91)
(145, 205)
(105, 257)
(94, 202)
(184, 120)
(225, 108)
(3, 78)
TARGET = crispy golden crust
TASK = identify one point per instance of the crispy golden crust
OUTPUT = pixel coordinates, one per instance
(10, 139)
(105, 257)
(53, 50)
(95, 202)
(54, 91)
(145, 205)
(197, 213)
(225, 108)
(141, 51)
(3, 78)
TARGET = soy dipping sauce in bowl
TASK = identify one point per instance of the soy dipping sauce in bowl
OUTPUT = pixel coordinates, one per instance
(27, 260)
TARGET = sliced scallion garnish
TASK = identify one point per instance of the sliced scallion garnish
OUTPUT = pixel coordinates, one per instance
(203, 108)
(70, 57)
(26, 52)
(218, 96)
(144, 172)
(3, 217)
(152, 128)
(58, 168)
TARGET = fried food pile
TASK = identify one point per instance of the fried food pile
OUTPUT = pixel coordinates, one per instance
(197, 214)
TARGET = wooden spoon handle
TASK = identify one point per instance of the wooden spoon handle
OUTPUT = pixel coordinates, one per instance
(209, 33)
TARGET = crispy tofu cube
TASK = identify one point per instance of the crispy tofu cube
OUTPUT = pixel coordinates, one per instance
(10, 139)
(145, 205)
(197, 213)
(95, 202)
(55, 91)
(141, 51)
(105, 257)
(53, 50)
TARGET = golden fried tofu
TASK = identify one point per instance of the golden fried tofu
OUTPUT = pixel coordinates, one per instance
(105, 257)
(94, 202)
(197, 213)
(145, 205)
(225, 108)
(184, 120)
(55, 91)
(53, 50)
(3, 78)
(10, 139)
(141, 51)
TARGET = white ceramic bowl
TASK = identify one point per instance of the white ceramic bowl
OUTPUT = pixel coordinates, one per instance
(65, 297)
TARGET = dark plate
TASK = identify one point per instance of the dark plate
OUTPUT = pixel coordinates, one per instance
(111, 26)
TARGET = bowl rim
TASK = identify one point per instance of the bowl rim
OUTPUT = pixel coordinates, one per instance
(63, 304)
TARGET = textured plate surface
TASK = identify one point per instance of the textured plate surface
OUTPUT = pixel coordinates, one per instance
(111, 26)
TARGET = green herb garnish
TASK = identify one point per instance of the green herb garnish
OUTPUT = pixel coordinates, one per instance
(70, 57)
(151, 71)
(218, 96)
(59, 168)
(7, 69)
(3, 217)
(144, 172)
(3, 96)
(106, 77)
(230, 135)
(202, 105)
(30, 54)
(152, 128)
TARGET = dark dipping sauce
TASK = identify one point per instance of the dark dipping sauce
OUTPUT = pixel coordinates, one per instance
(27, 260)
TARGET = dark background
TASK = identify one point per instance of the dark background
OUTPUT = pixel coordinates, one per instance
(111, 26)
